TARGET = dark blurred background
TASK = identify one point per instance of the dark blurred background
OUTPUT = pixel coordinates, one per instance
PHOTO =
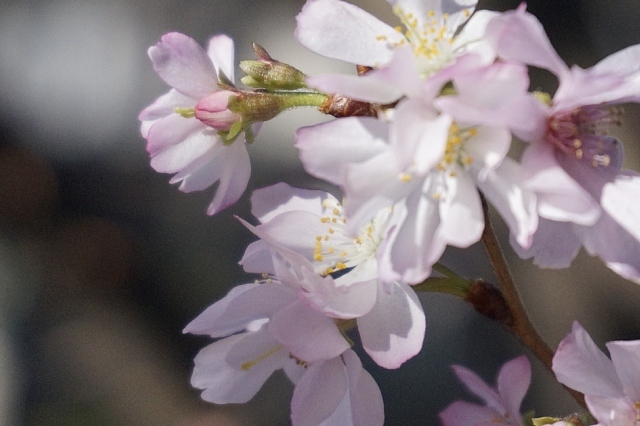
(102, 262)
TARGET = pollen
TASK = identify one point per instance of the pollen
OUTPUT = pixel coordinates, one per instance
(454, 151)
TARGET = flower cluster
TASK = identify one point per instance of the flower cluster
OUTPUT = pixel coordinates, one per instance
(420, 147)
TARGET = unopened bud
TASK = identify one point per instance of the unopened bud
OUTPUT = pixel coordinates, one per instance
(214, 112)
(270, 74)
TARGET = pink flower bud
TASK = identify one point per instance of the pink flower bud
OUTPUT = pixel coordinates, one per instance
(213, 110)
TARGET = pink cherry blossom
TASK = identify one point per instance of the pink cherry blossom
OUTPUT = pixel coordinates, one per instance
(611, 386)
(427, 165)
(181, 138)
(390, 318)
(502, 404)
(584, 198)
(265, 327)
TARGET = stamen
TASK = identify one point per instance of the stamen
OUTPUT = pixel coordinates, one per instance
(247, 365)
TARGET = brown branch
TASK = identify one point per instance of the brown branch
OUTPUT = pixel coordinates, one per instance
(519, 323)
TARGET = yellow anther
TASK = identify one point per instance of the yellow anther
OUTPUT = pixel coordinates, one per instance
(431, 14)
(324, 220)
(331, 231)
(577, 143)
(343, 254)
(341, 265)
(318, 237)
(405, 177)
(317, 257)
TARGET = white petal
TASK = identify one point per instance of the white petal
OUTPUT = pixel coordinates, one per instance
(610, 411)
(219, 367)
(339, 30)
(306, 334)
(554, 244)
(326, 149)
(243, 304)
(393, 331)
(579, 364)
(182, 63)
(461, 211)
(220, 51)
(257, 258)
(266, 203)
(626, 360)
(620, 199)
(366, 399)
(504, 188)
(319, 393)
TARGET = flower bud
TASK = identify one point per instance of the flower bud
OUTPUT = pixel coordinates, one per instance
(270, 74)
(214, 112)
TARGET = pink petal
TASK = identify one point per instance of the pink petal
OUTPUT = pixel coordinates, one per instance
(478, 387)
(219, 367)
(257, 259)
(319, 393)
(327, 148)
(462, 220)
(625, 356)
(560, 197)
(505, 190)
(619, 199)
(554, 244)
(339, 30)
(307, 334)
(269, 202)
(339, 301)
(462, 413)
(610, 411)
(366, 400)
(220, 50)
(513, 383)
(183, 64)
(519, 36)
(418, 135)
(173, 130)
(195, 148)
(243, 304)
(165, 105)
(625, 62)
(579, 364)
(366, 89)
(393, 331)
(614, 245)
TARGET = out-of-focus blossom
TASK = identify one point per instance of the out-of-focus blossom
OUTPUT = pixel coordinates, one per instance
(502, 404)
(427, 165)
(611, 386)
(390, 318)
(267, 326)
(584, 198)
(181, 127)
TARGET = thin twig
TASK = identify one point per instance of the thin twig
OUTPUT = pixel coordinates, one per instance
(521, 326)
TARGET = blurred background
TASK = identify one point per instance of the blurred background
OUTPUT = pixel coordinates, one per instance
(102, 262)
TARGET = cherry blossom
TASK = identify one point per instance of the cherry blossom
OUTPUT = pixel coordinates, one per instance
(502, 404)
(427, 165)
(584, 198)
(182, 134)
(311, 223)
(265, 327)
(611, 386)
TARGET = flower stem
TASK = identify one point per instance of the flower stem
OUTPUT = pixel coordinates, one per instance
(520, 325)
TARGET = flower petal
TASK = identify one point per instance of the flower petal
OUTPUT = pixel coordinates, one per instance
(625, 356)
(326, 149)
(306, 334)
(513, 383)
(554, 244)
(579, 364)
(183, 64)
(269, 202)
(219, 367)
(393, 331)
(465, 413)
(610, 411)
(339, 30)
(243, 304)
(319, 393)
(220, 50)
(366, 400)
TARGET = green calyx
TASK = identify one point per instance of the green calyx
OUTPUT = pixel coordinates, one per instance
(268, 73)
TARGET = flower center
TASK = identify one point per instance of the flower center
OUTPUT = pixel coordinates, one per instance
(580, 132)
(455, 153)
(335, 249)
(431, 38)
